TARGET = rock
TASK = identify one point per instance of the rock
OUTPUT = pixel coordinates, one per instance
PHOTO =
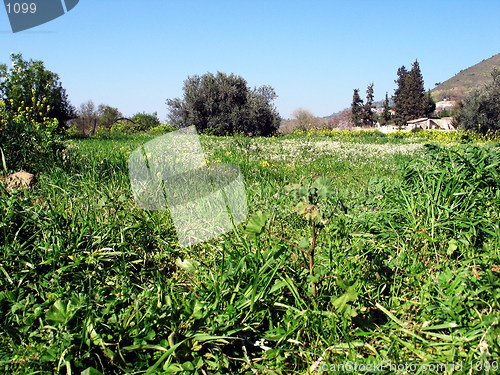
(19, 180)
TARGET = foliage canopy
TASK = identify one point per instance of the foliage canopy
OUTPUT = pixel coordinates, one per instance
(223, 104)
(28, 83)
(410, 100)
(480, 110)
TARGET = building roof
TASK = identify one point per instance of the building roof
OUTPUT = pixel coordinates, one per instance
(417, 120)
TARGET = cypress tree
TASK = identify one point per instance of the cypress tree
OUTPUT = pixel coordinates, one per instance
(368, 115)
(357, 108)
(416, 100)
(410, 100)
(386, 115)
(430, 105)
(401, 97)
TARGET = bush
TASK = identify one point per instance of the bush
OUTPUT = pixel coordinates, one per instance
(28, 143)
(145, 121)
(162, 129)
(120, 127)
(480, 111)
(28, 83)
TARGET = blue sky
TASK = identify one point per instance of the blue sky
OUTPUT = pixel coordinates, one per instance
(135, 54)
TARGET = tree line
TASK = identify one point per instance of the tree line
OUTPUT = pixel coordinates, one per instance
(410, 101)
(35, 111)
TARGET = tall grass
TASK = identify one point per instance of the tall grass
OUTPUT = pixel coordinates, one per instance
(405, 272)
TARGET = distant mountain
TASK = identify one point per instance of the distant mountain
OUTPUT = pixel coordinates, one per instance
(458, 86)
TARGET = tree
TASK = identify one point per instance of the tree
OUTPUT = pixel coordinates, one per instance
(400, 97)
(416, 100)
(87, 116)
(410, 101)
(223, 104)
(430, 104)
(357, 108)
(480, 110)
(28, 83)
(386, 114)
(303, 119)
(108, 115)
(368, 118)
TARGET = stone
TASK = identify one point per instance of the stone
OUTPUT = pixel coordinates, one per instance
(19, 180)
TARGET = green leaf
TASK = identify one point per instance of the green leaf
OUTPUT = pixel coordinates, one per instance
(322, 185)
(188, 265)
(342, 303)
(257, 223)
(4, 164)
(58, 312)
(91, 371)
(172, 368)
(452, 246)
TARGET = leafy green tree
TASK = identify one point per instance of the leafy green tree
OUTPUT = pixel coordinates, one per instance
(223, 104)
(357, 108)
(368, 118)
(108, 115)
(29, 83)
(480, 110)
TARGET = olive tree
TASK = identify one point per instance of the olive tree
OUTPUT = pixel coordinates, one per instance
(223, 104)
(480, 110)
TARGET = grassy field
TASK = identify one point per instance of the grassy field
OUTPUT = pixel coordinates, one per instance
(403, 232)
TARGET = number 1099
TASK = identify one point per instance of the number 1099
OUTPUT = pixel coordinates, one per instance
(23, 8)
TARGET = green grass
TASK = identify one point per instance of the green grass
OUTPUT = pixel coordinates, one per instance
(406, 266)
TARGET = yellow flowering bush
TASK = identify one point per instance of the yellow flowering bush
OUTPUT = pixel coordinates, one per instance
(26, 141)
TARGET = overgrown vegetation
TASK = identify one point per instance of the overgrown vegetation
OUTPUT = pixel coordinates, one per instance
(404, 241)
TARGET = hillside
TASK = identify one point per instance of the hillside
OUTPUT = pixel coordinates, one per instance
(466, 80)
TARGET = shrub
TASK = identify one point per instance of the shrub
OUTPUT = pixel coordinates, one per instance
(26, 142)
(145, 121)
(162, 128)
(480, 111)
(121, 127)
(29, 82)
